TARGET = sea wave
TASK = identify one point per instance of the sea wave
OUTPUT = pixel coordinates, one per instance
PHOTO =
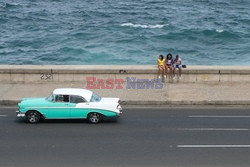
(220, 31)
(8, 5)
(142, 25)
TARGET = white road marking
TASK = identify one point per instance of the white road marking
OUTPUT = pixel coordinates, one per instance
(213, 129)
(3, 115)
(213, 146)
(216, 116)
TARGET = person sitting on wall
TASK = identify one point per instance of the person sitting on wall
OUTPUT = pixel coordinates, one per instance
(161, 66)
(169, 64)
(177, 64)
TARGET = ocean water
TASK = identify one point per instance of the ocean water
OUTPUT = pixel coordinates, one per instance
(202, 32)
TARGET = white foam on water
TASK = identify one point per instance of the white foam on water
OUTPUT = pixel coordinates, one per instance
(142, 25)
(6, 5)
(220, 31)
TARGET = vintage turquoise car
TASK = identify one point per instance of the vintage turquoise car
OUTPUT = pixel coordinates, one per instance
(69, 103)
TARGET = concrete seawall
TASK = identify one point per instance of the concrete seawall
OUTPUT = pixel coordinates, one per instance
(78, 73)
(199, 85)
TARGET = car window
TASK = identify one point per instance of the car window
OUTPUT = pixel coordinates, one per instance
(50, 98)
(62, 98)
(77, 99)
(95, 98)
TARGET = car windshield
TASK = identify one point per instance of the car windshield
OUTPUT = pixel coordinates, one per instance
(95, 98)
(50, 97)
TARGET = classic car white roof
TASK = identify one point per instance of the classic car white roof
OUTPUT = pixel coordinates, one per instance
(74, 91)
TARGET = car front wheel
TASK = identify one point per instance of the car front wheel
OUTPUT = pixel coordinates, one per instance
(94, 118)
(33, 117)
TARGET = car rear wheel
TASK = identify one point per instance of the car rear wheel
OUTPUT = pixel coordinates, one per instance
(33, 117)
(94, 118)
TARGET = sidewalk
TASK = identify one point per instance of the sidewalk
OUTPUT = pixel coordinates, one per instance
(170, 94)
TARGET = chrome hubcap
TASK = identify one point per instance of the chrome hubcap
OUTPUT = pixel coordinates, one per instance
(94, 117)
(33, 117)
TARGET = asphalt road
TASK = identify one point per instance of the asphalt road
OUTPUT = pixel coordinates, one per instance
(141, 137)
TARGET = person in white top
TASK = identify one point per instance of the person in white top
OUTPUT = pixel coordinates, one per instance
(177, 64)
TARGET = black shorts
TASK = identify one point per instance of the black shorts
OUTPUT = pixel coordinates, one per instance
(177, 65)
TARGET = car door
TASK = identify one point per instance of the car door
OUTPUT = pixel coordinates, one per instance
(60, 108)
(81, 108)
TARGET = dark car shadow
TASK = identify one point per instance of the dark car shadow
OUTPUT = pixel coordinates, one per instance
(70, 121)
(104, 121)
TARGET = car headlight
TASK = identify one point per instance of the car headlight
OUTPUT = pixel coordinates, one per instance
(119, 107)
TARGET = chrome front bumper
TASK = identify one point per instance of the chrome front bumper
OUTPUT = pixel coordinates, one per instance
(19, 114)
(119, 114)
(119, 108)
